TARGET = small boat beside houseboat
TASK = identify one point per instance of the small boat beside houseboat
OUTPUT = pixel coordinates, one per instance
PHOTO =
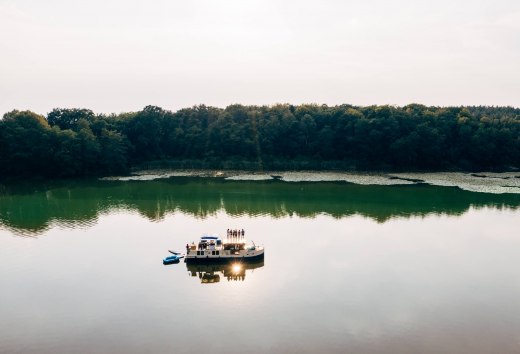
(175, 258)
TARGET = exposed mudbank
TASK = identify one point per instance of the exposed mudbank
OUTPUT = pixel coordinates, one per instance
(482, 182)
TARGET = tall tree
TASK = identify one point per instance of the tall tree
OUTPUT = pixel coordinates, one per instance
(67, 118)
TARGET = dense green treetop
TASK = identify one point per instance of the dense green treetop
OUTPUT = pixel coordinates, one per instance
(78, 142)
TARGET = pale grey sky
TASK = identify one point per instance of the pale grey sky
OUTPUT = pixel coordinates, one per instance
(121, 55)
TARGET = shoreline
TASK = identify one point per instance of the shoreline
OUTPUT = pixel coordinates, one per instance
(483, 182)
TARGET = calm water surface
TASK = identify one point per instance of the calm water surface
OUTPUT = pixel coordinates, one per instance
(348, 269)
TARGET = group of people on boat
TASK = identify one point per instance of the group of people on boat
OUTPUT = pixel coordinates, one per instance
(235, 233)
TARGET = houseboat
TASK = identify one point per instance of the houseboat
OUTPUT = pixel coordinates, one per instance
(213, 249)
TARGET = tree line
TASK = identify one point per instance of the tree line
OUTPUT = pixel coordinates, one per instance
(78, 142)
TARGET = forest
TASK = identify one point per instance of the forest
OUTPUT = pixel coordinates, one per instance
(79, 142)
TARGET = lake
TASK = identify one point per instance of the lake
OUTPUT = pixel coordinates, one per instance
(349, 268)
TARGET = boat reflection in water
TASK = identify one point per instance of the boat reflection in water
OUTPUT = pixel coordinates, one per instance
(213, 273)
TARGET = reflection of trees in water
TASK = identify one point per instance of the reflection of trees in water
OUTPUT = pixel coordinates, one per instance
(29, 210)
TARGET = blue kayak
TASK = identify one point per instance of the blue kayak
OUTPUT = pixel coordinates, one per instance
(172, 259)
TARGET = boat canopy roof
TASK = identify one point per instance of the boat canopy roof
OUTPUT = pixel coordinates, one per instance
(210, 238)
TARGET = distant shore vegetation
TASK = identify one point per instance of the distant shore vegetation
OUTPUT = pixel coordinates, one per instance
(78, 142)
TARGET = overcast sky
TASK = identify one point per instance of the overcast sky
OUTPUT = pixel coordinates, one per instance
(121, 55)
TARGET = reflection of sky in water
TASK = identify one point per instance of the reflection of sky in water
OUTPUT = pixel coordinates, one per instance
(422, 284)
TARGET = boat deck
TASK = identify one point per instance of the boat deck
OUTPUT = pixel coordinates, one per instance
(213, 249)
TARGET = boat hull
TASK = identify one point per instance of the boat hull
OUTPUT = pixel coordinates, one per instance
(223, 259)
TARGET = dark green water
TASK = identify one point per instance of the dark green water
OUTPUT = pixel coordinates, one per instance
(31, 209)
(348, 268)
